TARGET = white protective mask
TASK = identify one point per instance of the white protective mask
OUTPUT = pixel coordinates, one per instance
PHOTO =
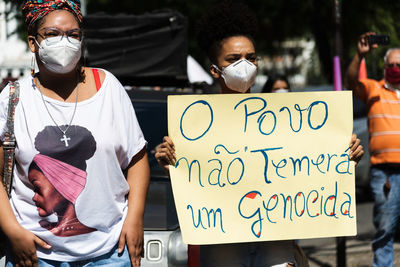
(60, 56)
(281, 90)
(240, 75)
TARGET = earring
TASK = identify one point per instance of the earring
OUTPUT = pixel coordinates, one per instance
(33, 65)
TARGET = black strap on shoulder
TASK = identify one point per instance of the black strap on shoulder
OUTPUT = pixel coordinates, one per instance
(9, 139)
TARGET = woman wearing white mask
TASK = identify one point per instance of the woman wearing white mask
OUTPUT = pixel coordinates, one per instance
(226, 34)
(76, 134)
(276, 84)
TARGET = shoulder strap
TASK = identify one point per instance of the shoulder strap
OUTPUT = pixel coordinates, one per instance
(96, 79)
(9, 138)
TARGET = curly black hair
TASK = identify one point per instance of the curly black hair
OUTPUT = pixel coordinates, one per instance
(81, 144)
(225, 20)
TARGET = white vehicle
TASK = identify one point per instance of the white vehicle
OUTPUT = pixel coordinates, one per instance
(162, 236)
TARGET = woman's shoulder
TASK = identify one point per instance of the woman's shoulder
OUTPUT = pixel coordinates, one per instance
(103, 80)
(110, 80)
(110, 85)
(102, 73)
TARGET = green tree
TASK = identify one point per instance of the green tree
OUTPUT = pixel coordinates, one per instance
(286, 19)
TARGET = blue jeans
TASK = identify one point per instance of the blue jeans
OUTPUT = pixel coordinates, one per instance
(111, 259)
(386, 212)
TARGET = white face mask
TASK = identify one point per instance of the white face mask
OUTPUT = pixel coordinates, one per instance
(281, 90)
(240, 75)
(60, 56)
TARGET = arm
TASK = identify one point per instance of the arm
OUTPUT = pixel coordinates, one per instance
(165, 154)
(23, 242)
(138, 178)
(351, 78)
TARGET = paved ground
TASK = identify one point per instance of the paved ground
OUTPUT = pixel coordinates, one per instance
(358, 253)
(322, 252)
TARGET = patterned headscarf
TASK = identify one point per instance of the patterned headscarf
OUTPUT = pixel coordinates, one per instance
(34, 10)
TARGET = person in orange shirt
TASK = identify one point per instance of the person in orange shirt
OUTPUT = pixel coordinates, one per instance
(382, 99)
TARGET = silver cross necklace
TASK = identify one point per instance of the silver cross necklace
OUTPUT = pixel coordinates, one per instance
(64, 139)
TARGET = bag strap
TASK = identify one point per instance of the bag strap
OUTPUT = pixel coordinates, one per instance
(9, 139)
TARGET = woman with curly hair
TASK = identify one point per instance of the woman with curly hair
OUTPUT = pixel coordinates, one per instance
(226, 33)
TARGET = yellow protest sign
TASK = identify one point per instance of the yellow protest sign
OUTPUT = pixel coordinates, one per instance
(257, 167)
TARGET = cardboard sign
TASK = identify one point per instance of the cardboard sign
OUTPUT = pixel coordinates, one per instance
(257, 167)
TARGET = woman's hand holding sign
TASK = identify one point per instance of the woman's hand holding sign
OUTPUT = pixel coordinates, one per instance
(165, 154)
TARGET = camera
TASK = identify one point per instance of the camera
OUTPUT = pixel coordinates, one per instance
(379, 39)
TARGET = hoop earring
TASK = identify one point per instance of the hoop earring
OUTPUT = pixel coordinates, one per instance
(33, 65)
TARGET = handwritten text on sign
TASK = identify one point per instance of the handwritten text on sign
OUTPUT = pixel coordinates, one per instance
(254, 167)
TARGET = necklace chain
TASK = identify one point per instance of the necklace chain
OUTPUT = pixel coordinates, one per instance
(48, 111)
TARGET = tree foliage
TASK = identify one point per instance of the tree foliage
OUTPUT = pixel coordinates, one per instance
(287, 19)
(282, 20)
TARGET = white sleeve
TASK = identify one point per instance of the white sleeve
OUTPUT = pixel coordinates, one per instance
(131, 136)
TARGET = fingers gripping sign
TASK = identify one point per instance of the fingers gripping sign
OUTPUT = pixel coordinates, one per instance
(356, 149)
(165, 153)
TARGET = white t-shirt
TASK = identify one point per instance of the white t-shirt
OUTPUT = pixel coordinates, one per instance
(70, 190)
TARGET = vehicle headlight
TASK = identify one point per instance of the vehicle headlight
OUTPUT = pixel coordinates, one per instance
(177, 250)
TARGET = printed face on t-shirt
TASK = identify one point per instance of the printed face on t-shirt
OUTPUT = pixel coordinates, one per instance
(46, 198)
(58, 176)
